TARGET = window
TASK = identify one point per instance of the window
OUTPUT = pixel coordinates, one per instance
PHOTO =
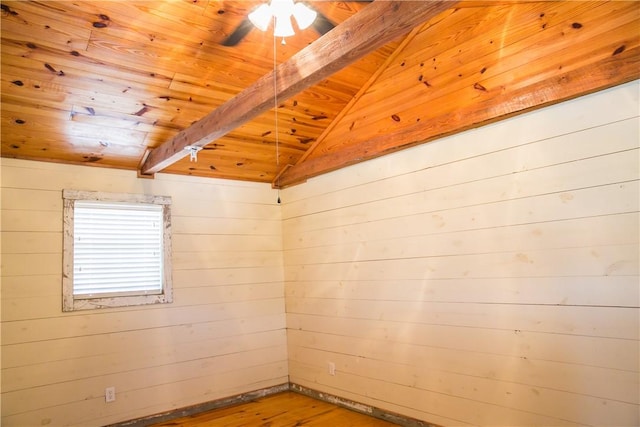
(117, 250)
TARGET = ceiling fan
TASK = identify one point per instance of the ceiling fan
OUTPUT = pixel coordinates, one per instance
(280, 12)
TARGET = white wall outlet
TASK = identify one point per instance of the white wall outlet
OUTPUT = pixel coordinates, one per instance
(110, 394)
(332, 368)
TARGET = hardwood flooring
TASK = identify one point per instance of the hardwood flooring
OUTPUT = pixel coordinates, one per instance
(286, 409)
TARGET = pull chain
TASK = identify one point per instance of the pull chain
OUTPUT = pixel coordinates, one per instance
(275, 105)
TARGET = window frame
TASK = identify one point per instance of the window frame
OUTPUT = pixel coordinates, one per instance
(71, 302)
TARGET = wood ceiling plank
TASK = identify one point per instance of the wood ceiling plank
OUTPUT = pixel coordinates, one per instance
(118, 53)
(122, 122)
(32, 73)
(339, 11)
(261, 149)
(11, 88)
(451, 79)
(54, 15)
(143, 19)
(106, 135)
(497, 35)
(13, 52)
(236, 168)
(216, 170)
(98, 95)
(20, 103)
(41, 144)
(16, 109)
(375, 25)
(616, 69)
(360, 93)
(265, 134)
(46, 35)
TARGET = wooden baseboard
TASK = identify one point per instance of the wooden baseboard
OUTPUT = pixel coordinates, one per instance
(359, 407)
(203, 407)
(256, 394)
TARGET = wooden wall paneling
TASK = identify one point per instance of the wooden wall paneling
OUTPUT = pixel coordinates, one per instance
(616, 199)
(260, 211)
(578, 291)
(520, 159)
(228, 275)
(113, 321)
(231, 195)
(192, 295)
(154, 398)
(469, 351)
(20, 220)
(621, 230)
(227, 200)
(441, 200)
(28, 264)
(500, 387)
(232, 390)
(194, 225)
(601, 260)
(94, 346)
(426, 268)
(14, 199)
(36, 305)
(562, 319)
(489, 390)
(222, 259)
(224, 335)
(163, 355)
(215, 241)
(35, 286)
(467, 412)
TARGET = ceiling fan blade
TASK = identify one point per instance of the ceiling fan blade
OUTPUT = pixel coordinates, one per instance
(322, 24)
(239, 33)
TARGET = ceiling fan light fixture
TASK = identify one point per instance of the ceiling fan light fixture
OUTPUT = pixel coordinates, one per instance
(281, 8)
(304, 15)
(261, 17)
(283, 27)
(281, 11)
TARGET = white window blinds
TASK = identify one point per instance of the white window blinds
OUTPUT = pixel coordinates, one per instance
(117, 248)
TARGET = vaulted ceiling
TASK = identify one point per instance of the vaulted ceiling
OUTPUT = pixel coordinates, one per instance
(130, 84)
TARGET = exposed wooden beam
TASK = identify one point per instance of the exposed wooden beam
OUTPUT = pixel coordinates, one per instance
(620, 68)
(377, 24)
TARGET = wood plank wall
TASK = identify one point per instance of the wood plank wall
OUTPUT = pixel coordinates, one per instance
(223, 335)
(489, 278)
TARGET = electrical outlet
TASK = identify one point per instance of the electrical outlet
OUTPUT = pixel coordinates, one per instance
(332, 368)
(110, 394)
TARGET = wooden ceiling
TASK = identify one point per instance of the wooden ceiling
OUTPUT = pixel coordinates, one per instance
(128, 84)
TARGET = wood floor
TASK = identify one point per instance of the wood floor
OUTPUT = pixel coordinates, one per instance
(280, 410)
